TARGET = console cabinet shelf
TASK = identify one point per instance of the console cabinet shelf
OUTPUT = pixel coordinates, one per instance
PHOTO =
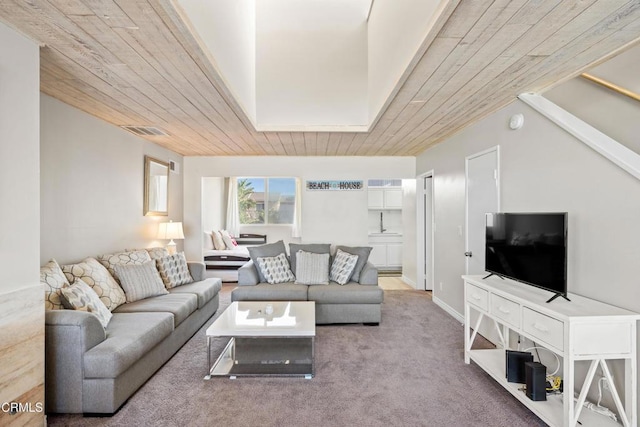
(578, 330)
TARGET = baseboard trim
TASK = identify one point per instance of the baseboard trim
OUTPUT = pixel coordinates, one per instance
(408, 281)
(459, 317)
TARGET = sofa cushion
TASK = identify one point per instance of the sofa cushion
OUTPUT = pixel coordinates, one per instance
(315, 248)
(129, 337)
(80, 296)
(275, 269)
(173, 270)
(311, 269)
(351, 293)
(53, 279)
(363, 256)
(140, 281)
(181, 305)
(266, 292)
(269, 250)
(205, 290)
(342, 267)
(94, 274)
(136, 257)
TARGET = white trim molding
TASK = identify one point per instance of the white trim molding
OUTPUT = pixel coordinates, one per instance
(446, 307)
(625, 158)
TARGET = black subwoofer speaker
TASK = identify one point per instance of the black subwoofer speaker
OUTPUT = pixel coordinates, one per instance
(515, 365)
(536, 380)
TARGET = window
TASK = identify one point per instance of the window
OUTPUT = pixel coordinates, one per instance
(266, 200)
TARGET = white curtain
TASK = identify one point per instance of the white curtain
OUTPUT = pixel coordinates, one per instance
(296, 230)
(233, 212)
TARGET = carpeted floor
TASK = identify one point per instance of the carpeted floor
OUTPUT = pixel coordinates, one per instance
(409, 371)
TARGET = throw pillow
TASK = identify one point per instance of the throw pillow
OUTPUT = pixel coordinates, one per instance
(218, 243)
(228, 241)
(157, 253)
(316, 248)
(80, 296)
(136, 257)
(275, 269)
(342, 267)
(269, 250)
(363, 256)
(98, 278)
(140, 281)
(174, 271)
(312, 269)
(53, 279)
(207, 241)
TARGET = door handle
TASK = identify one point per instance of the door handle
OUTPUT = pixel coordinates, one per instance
(468, 254)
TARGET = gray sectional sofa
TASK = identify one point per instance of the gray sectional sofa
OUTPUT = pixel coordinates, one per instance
(358, 301)
(93, 370)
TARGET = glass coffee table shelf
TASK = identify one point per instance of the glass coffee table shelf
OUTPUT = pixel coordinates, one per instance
(265, 339)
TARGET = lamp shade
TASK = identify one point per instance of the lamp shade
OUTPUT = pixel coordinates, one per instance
(170, 230)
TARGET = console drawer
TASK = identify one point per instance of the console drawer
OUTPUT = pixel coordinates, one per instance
(547, 329)
(506, 310)
(478, 296)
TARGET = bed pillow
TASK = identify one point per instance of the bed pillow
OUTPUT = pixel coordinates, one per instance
(174, 271)
(311, 268)
(275, 269)
(207, 241)
(140, 281)
(80, 296)
(53, 279)
(228, 241)
(342, 267)
(269, 250)
(316, 248)
(218, 242)
(94, 274)
(363, 256)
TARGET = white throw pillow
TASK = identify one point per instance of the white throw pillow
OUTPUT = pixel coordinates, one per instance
(228, 241)
(140, 281)
(80, 296)
(207, 241)
(218, 243)
(276, 269)
(312, 269)
(342, 267)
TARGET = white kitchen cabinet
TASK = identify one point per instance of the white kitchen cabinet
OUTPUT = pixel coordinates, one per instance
(384, 198)
(387, 250)
(375, 198)
(378, 255)
(394, 254)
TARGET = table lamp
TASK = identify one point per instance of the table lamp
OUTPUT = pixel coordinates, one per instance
(170, 230)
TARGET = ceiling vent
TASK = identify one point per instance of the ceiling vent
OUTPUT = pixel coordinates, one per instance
(145, 130)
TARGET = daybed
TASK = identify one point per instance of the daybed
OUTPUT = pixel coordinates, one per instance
(357, 301)
(93, 369)
(223, 261)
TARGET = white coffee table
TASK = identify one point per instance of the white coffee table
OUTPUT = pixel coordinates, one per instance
(266, 338)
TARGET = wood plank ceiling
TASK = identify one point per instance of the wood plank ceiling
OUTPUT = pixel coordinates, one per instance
(134, 62)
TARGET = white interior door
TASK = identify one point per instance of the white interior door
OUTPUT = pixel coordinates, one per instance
(483, 196)
(427, 260)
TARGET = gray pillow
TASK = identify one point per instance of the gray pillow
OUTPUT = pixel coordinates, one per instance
(363, 256)
(263, 251)
(314, 248)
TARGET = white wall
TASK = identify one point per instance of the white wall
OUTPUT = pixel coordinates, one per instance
(311, 62)
(214, 203)
(92, 176)
(228, 29)
(396, 29)
(19, 151)
(337, 217)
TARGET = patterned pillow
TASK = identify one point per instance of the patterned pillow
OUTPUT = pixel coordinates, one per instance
(157, 253)
(140, 281)
(174, 270)
(276, 269)
(80, 296)
(342, 268)
(136, 257)
(98, 278)
(53, 279)
(312, 269)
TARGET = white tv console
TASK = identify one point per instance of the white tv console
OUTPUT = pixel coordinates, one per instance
(580, 330)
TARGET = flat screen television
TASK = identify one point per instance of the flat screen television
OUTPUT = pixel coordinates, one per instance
(530, 248)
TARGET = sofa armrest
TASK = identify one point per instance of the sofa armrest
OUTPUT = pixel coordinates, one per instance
(369, 275)
(248, 275)
(196, 269)
(68, 335)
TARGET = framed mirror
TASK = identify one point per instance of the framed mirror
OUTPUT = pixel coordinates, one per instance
(156, 187)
